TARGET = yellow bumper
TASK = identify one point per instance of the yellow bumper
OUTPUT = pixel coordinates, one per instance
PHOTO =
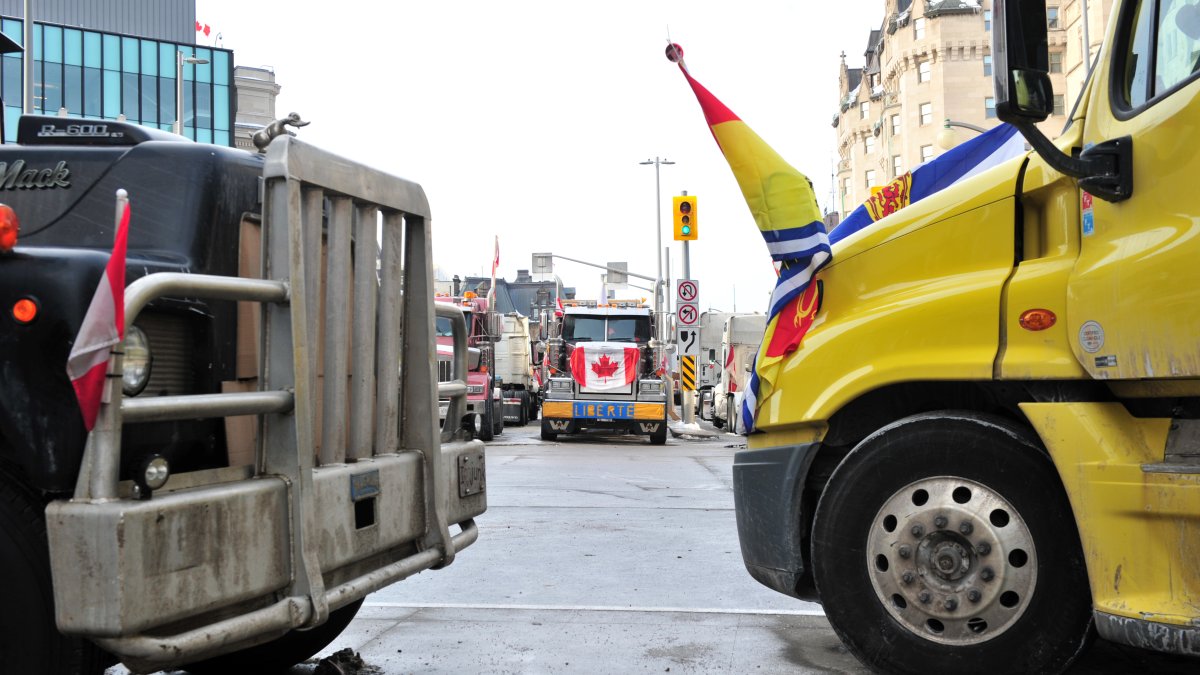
(603, 410)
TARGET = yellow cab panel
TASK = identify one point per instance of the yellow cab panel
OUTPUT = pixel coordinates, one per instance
(918, 291)
(1134, 295)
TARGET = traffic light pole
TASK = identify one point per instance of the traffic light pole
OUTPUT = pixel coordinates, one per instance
(689, 395)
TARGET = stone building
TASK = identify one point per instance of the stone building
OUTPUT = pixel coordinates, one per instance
(256, 92)
(930, 65)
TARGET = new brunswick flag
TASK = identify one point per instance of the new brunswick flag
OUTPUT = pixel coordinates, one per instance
(782, 203)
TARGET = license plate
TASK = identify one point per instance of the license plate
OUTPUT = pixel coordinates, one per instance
(607, 411)
(443, 410)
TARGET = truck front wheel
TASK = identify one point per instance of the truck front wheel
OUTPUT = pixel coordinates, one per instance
(548, 434)
(487, 428)
(944, 543)
(29, 639)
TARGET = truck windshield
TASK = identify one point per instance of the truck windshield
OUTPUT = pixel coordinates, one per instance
(611, 329)
(444, 327)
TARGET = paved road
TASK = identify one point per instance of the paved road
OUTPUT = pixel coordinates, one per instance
(609, 555)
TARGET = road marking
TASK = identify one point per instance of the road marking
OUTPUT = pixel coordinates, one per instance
(598, 608)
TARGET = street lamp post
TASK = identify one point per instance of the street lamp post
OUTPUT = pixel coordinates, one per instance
(180, 59)
(946, 137)
(658, 291)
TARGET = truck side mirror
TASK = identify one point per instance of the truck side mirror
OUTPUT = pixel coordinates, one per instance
(1024, 97)
(1020, 53)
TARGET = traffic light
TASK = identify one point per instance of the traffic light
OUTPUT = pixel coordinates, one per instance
(683, 213)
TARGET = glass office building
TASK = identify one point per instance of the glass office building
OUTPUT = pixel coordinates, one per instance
(103, 75)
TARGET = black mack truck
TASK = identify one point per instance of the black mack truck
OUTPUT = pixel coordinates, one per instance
(261, 464)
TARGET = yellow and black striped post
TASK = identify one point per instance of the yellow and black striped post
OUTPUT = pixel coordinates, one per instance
(687, 372)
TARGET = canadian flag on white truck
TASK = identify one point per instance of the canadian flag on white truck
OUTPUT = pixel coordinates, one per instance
(603, 366)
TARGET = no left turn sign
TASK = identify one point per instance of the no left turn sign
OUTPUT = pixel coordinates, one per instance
(688, 315)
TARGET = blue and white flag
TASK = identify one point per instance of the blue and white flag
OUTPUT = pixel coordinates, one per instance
(989, 149)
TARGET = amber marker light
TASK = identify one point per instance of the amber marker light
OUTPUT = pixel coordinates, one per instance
(1037, 319)
(8, 228)
(25, 310)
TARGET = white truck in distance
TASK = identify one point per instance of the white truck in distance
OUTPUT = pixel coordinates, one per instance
(739, 344)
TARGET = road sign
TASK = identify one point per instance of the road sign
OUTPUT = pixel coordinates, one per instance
(687, 290)
(687, 315)
(688, 340)
(687, 372)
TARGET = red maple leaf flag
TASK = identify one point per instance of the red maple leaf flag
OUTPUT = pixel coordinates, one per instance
(604, 366)
(103, 326)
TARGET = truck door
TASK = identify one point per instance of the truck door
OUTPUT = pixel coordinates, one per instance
(1134, 295)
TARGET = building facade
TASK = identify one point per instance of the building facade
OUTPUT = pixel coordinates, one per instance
(256, 92)
(926, 81)
(83, 67)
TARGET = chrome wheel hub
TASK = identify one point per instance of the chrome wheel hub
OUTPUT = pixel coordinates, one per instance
(951, 560)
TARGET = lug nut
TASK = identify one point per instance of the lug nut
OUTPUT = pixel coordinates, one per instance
(940, 522)
(966, 527)
(908, 577)
(918, 530)
(983, 548)
(924, 597)
(905, 550)
(974, 595)
(951, 604)
(987, 574)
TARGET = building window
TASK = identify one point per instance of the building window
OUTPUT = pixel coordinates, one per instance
(987, 19)
(1059, 105)
(989, 108)
(896, 125)
(1052, 18)
(926, 113)
(987, 66)
(870, 176)
(845, 187)
(926, 153)
(1056, 62)
(923, 71)
(864, 109)
(897, 165)
(919, 29)
(868, 145)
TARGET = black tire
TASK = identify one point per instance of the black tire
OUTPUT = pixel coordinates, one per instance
(547, 433)
(732, 414)
(280, 654)
(944, 543)
(497, 417)
(487, 428)
(523, 415)
(29, 639)
(533, 406)
(659, 437)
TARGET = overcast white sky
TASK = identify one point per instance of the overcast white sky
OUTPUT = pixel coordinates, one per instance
(527, 119)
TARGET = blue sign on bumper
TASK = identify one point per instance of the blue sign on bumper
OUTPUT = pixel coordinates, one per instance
(608, 411)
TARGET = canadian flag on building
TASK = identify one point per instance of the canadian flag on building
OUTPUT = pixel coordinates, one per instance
(604, 366)
(103, 326)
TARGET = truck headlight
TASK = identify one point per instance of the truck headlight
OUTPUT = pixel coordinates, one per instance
(138, 362)
(650, 387)
(560, 386)
(474, 389)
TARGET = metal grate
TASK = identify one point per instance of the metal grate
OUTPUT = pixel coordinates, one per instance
(173, 347)
(445, 370)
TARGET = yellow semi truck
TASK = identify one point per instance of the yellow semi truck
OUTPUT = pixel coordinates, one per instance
(987, 448)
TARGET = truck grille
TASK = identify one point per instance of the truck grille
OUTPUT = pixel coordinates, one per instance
(445, 371)
(172, 346)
